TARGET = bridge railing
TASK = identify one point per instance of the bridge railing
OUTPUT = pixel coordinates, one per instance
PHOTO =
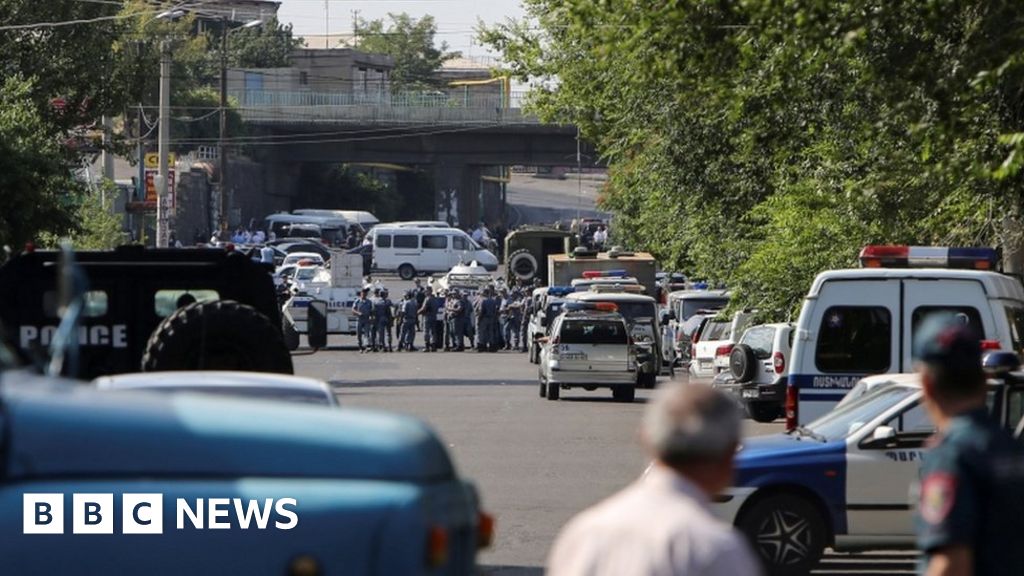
(402, 107)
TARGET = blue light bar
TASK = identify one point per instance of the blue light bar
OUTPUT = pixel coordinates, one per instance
(560, 290)
(974, 258)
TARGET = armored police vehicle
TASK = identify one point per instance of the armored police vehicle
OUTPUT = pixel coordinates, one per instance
(145, 309)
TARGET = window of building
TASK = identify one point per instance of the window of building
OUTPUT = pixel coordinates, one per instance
(303, 78)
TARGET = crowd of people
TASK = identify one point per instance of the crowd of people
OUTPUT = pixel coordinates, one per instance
(488, 320)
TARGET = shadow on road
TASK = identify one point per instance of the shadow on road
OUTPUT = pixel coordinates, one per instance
(599, 400)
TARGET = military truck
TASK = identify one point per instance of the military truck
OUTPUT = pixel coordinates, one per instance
(563, 268)
(146, 309)
(527, 249)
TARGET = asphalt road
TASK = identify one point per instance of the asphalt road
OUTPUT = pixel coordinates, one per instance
(533, 200)
(535, 462)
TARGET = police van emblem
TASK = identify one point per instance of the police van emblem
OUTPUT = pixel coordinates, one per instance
(937, 494)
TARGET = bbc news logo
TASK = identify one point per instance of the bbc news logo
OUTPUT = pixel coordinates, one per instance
(144, 514)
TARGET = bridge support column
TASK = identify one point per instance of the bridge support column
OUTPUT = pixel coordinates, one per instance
(467, 194)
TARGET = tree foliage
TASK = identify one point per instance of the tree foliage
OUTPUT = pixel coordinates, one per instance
(757, 143)
(266, 46)
(410, 42)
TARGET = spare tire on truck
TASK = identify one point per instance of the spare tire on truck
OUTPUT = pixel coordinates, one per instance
(743, 363)
(221, 335)
(522, 264)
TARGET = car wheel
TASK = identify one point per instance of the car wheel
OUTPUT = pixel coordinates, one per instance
(788, 533)
(543, 388)
(647, 380)
(522, 265)
(624, 393)
(764, 412)
(552, 391)
(406, 272)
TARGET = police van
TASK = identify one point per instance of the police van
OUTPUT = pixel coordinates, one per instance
(843, 481)
(415, 250)
(862, 321)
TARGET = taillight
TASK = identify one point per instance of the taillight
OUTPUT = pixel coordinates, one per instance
(437, 547)
(779, 361)
(484, 530)
(723, 350)
(792, 408)
(990, 345)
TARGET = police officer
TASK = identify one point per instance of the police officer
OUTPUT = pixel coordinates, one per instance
(467, 317)
(524, 321)
(970, 516)
(458, 322)
(513, 307)
(383, 319)
(431, 304)
(487, 322)
(362, 308)
(419, 293)
(408, 313)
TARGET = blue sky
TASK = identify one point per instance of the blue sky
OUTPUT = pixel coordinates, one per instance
(455, 18)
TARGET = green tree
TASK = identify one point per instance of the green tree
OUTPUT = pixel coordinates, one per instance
(410, 42)
(266, 46)
(95, 225)
(758, 143)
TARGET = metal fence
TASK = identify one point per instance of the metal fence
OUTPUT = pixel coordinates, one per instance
(404, 107)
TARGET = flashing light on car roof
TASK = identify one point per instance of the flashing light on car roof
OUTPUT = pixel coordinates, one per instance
(559, 291)
(928, 257)
(599, 306)
(604, 274)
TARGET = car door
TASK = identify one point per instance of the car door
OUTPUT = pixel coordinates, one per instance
(436, 255)
(965, 299)
(879, 474)
(849, 331)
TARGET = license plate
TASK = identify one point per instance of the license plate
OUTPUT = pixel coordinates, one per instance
(749, 394)
(574, 356)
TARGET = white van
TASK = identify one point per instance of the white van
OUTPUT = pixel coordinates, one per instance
(862, 321)
(329, 225)
(412, 251)
(361, 217)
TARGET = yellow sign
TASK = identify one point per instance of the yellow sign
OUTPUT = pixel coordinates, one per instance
(152, 160)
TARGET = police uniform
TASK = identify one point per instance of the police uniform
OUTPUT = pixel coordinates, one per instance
(408, 315)
(972, 494)
(363, 309)
(487, 323)
(382, 316)
(431, 305)
(971, 491)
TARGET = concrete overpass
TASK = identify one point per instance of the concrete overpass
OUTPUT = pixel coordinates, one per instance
(463, 138)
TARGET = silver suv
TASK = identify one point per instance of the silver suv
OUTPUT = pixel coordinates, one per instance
(588, 348)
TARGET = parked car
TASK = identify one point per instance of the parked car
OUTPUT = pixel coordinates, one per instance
(589, 348)
(252, 385)
(714, 343)
(759, 363)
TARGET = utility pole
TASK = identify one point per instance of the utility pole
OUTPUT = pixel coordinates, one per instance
(327, 24)
(355, 28)
(222, 156)
(162, 207)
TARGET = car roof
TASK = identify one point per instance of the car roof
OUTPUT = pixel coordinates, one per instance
(775, 325)
(301, 255)
(609, 297)
(218, 378)
(699, 294)
(996, 285)
(592, 315)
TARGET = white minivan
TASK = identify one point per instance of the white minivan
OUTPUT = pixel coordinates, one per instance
(862, 321)
(412, 251)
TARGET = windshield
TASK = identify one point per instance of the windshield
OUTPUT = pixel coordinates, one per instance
(692, 306)
(305, 274)
(593, 332)
(634, 311)
(848, 419)
(715, 331)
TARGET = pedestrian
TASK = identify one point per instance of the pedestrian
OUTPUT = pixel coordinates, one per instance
(458, 322)
(970, 514)
(420, 295)
(408, 313)
(663, 522)
(524, 323)
(383, 319)
(362, 308)
(487, 322)
(428, 310)
(468, 329)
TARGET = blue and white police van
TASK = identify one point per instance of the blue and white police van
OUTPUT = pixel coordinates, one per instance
(862, 321)
(844, 480)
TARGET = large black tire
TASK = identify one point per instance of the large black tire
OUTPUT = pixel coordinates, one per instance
(290, 334)
(743, 363)
(764, 412)
(221, 335)
(522, 264)
(553, 390)
(787, 531)
(624, 393)
(646, 380)
(406, 272)
(543, 388)
(534, 353)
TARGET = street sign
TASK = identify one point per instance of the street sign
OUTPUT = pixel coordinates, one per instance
(152, 161)
(151, 178)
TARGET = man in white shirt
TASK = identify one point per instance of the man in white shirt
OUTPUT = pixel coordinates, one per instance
(662, 524)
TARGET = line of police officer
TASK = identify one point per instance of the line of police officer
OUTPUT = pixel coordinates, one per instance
(489, 321)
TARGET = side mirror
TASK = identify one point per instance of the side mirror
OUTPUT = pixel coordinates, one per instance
(882, 437)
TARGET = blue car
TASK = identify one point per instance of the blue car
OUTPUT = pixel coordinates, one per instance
(842, 481)
(93, 482)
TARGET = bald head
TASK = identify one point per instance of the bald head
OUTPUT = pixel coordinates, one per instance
(690, 424)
